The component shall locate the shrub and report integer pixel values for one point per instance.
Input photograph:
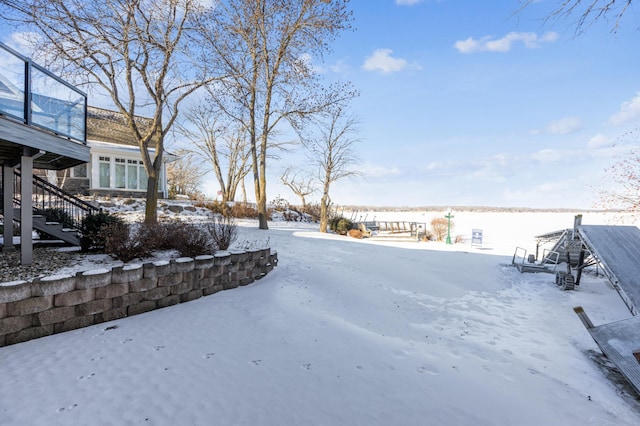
(439, 227)
(156, 236)
(355, 233)
(223, 231)
(91, 227)
(191, 240)
(427, 236)
(245, 210)
(343, 226)
(333, 223)
(121, 244)
(313, 210)
(215, 206)
(280, 204)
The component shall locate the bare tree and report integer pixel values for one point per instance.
(265, 46)
(330, 148)
(299, 185)
(588, 11)
(623, 179)
(184, 175)
(223, 146)
(138, 51)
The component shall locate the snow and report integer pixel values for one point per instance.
(344, 332)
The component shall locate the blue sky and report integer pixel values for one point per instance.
(464, 103)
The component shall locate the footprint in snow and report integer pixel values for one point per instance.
(306, 366)
(209, 355)
(256, 362)
(428, 369)
(87, 377)
(71, 407)
(539, 356)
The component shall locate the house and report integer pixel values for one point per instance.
(115, 167)
(47, 129)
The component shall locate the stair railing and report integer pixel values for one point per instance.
(48, 198)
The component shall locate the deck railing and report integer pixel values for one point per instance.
(35, 96)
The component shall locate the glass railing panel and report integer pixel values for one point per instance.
(56, 106)
(12, 79)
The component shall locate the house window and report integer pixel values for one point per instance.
(105, 172)
(143, 177)
(120, 173)
(80, 171)
(127, 173)
(132, 174)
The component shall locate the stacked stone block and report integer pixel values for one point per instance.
(29, 310)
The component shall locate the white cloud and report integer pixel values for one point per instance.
(549, 155)
(339, 66)
(504, 44)
(381, 60)
(373, 170)
(563, 126)
(629, 111)
(599, 141)
(407, 2)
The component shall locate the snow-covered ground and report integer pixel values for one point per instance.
(344, 332)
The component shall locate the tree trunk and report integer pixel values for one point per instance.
(263, 215)
(151, 210)
(244, 191)
(324, 213)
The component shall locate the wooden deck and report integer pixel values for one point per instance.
(57, 152)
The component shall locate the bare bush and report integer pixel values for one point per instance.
(245, 210)
(439, 228)
(427, 236)
(156, 236)
(121, 244)
(313, 210)
(223, 231)
(355, 233)
(191, 240)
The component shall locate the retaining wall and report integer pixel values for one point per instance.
(45, 306)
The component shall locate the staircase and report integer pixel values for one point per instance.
(56, 212)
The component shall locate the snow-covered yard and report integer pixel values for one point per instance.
(343, 332)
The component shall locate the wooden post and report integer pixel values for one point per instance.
(577, 221)
(583, 317)
(580, 266)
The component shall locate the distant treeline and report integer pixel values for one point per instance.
(470, 209)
